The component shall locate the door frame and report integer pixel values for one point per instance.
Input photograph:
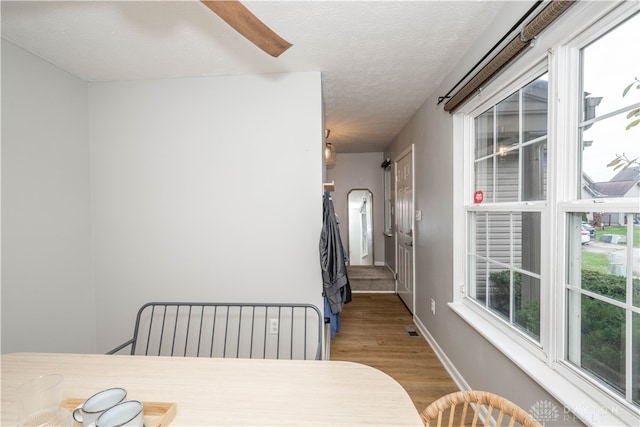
(406, 152)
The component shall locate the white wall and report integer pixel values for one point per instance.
(115, 194)
(205, 189)
(48, 300)
(360, 171)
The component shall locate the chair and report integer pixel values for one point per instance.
(265, 331)
(456, 405)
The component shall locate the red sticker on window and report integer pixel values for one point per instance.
(478, 196)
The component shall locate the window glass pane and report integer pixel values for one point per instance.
(526, 241)
(498, 170)
(479, 244)
(610, 64)
(500, 290)
(507, 171)
(527, 304)
(602, 340)
(600, 257)
(508, 123)
(499, 236)
(534, 108)
(484, 134)
(604, 261)
(534, 176)
(603, 142)
(484, 178)
(608, 285)
(478, 280)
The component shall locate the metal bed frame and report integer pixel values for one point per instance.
(240, 330)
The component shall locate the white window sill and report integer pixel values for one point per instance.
(589, 408)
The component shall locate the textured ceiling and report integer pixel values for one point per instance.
(379, 60)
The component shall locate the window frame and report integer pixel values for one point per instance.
(558, 53)
(567, 66)
(541, 206)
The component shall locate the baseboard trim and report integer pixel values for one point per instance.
(364, 291)
(446, 362)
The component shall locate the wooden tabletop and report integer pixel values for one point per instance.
(211, 391)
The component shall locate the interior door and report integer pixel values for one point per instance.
(404, 227)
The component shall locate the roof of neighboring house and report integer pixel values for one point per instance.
(592, 191)
(613, 188)
(618, 186)
(629, 174)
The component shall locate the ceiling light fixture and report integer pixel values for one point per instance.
(329, 150)
(329, 154)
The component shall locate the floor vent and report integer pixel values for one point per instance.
(411, 331)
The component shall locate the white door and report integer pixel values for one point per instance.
(404, 227)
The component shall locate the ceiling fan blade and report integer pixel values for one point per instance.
(243, 21)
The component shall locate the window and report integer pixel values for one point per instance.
(509, 168)
(552, 216)
(603, 272)
(388, 207)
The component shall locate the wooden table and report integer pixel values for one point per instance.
(225, 391)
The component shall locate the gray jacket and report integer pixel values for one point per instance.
(332, 260)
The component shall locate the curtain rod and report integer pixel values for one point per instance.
(494, 47)
(526, 38)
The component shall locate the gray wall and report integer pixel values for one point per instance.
(114, 194)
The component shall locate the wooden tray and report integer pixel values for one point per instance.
(156, 414)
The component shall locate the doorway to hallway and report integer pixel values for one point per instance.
(360, 224)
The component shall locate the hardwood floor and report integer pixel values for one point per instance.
(375, 331)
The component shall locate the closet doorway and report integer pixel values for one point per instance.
(360, 220)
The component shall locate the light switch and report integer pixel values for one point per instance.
(418, 215)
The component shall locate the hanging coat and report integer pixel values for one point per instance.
(335, 281)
